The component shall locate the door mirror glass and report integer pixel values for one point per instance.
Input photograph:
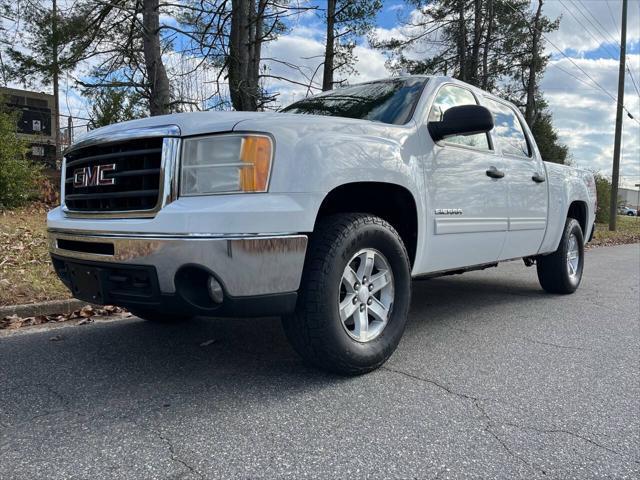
(462, 120)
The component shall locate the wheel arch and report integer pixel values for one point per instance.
(578, 210)
(389, 201)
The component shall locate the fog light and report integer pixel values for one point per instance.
(215, 290)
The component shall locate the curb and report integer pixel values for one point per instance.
(42, 308)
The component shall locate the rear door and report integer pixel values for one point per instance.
(467, 206)
(525, 177)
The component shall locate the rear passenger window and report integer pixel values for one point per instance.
(508, 130)
(454, 96)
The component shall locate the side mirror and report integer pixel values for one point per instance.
(462, 120)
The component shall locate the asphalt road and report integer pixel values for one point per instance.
(493, 379)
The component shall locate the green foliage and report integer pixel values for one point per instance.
(603, 188)
(482, 42)
(40, 51)
(18, 176)
(546, 137)
(113, 105)
(353, 19)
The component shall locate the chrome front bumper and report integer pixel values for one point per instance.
(245, 265)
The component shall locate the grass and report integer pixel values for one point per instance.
(628, 231)
(26, 274)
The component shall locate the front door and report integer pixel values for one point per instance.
(467, 198)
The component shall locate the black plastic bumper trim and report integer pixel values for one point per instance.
(152, 299)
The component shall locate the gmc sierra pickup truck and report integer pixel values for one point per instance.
(322, 213)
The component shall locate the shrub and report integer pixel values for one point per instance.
(18, 176)
(603, 188)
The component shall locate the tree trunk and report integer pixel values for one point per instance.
(160, 92)
(530, 109)
(245, 46)
(474, 63)
(487, 46)
(329, 52)
(462, 42)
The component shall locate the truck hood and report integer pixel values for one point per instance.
(200, 123)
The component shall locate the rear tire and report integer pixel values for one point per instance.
(354, 295)
(561, 271)
(160, 317)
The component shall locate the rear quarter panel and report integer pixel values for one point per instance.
(566, 185)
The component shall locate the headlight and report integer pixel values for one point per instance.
(225, 164)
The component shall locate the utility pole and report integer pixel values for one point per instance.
(613, 211)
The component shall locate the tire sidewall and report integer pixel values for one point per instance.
(381, 238)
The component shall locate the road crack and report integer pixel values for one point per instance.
(475, 402)
(490, 423)
(552, 431)
(172, 450)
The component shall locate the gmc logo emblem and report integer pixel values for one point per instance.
(93, 176)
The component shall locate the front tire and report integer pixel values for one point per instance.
(354, 296)
(561, 271)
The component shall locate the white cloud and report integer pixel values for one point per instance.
(588, 24)
(304, 49)
(398, 7)
(585, 115)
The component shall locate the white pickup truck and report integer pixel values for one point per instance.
(322, 213)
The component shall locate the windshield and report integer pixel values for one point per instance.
(389, 101)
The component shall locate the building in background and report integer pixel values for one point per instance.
(36, 122)
(629, 197)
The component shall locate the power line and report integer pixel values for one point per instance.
(604, 35)
(602, 30)
(633, 80)
(577, 66)
(599, 42)
(613, 20)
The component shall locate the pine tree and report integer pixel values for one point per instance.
(496, 45)
(346, 20)
(113, 105)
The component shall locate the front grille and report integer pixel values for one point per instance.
(136, 176)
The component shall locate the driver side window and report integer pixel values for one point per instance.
(453, 96)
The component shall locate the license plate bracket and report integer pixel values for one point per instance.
(86, 282)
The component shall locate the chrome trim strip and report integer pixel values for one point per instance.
(458, 224)
(226, 236)
(527, 223)
(107, 135)
(168, 185)
(245, 265)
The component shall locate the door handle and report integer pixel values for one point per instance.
(493, 172)
(538, 178)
